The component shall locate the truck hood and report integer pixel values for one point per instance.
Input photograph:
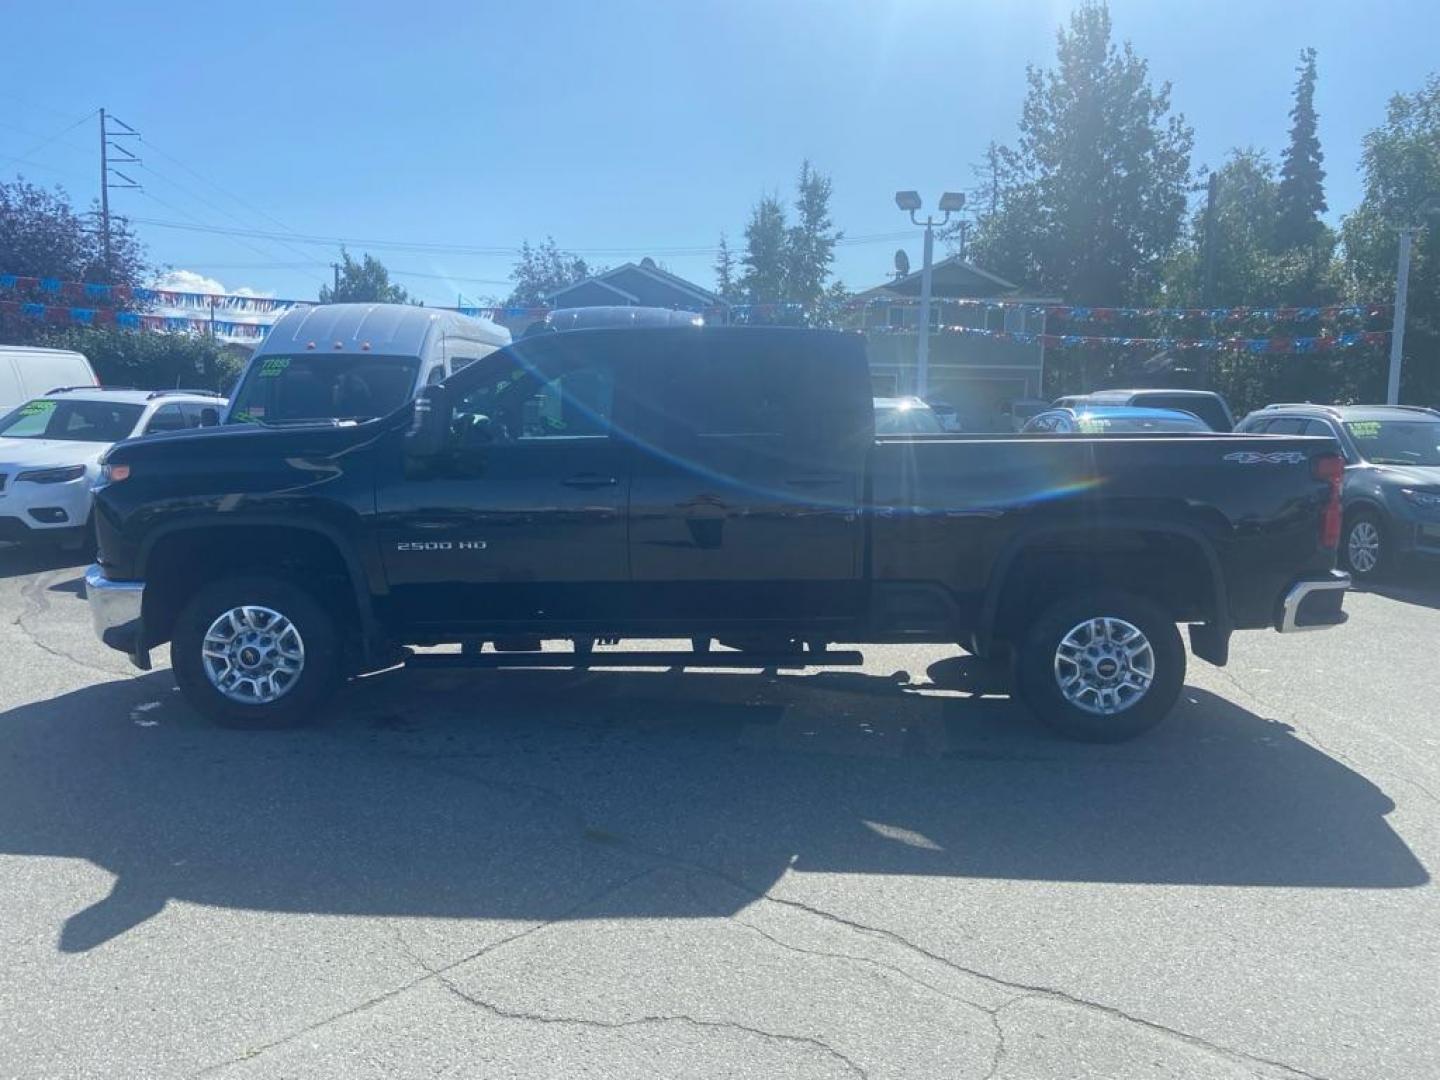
(245, 441)
(18, 454)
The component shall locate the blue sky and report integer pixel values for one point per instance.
(621, 128)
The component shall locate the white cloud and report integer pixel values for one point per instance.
(194, 281)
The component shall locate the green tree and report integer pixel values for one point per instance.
(151, 361)
(41, 235)
(766, 258)
(1401, 162)
(1300, 197)
(725, 284)
(363, 281)
(1093, 194)
(542, 269)
(810, 244)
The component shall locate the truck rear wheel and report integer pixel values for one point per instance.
(255, 652)
(1101, 666)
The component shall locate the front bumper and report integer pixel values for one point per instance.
(40, 508)
(1314, 603)
(116, 609)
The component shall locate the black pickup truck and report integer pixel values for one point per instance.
(722, 485)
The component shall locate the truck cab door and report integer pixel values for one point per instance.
(520, 522)
(745, 496)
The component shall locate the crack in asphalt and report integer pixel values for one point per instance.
(1023, 990)
(430, 974)
(668, 1018)
(32, 593)
(1309, 733)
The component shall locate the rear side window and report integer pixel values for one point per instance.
(1287, 425)
(1206, 408)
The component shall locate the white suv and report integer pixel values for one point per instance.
(50, 451)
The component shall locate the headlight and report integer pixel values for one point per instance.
(53, 476)
(1430, 500)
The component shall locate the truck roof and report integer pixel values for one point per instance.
(387, 329)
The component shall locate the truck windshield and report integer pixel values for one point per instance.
(321, 386)
(72, 421)
(1397, 442)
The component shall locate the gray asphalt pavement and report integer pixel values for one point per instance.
(889, 872)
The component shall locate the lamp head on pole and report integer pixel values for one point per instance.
(908, 200)
(952, 201)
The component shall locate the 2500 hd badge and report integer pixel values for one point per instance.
(440, 545)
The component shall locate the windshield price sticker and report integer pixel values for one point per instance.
(37, 408)
(1365, 429)
(273, 366)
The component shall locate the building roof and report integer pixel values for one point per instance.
(952, 277)
(641, 283)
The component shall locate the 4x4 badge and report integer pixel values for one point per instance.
(1274, 457)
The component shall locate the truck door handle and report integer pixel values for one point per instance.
(588, 480)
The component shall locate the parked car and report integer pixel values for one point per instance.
(710, 483)
(1017, 413)
(1391, 494)
(50, 451)
(948, 415)
(1113, 420)
(905, 416)
(1206, 404)
(351, 362)
(27, 372)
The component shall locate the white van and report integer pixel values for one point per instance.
(355, 361)
(27, 372)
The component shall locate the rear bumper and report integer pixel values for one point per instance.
(1314, 603)
(116, 609)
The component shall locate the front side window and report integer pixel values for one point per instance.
(516, 403)
(321, 386)
(167, 418)
(1397, 442)
(72, 421)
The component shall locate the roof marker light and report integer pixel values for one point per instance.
(310, 345)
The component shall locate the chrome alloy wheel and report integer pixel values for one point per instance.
(1104, 665)
(1362, 547)
(253, 655)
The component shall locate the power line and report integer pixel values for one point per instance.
(467, 249)
(48, 140)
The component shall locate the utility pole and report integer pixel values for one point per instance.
(335, 269)
(1397, 330)
(105, 194)
(109, 173)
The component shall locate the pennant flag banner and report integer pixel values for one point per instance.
(1294, 345)
(1112, 314)
(195, 301)
(503, 312)
(132, 320)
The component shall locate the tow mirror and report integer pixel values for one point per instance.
(430, 424)
(209, 416)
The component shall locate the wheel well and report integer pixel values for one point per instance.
(183, 561)
(1169, 569)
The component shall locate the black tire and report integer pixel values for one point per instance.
(1352, 549)
(1037, 682)
(318, 677)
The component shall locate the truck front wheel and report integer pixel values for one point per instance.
(1101, 666)
(255, 652)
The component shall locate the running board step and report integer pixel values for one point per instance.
(832, 658)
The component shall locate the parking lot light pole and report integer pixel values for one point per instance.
(950, 201)
(1397, 331)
